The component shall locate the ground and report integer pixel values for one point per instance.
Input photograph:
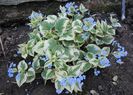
(15, 32)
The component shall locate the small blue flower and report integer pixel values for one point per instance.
(35, 15)
(75, 6)
(78, 80)
(63, 82)
(105, 62)
(68, 12)
(84, 77)
(44, 58)
(96, 72)
(89, 22)
(104, 53)
(12, 65)
(117, 55)
(18, 76)
(68, 5)
(10, 72)
(85, 28)
(50, 66)
(71, 80)
(119, 61)
(18, 52)
(58, 91)
(29, 63)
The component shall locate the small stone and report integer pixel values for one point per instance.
(93, 92)
(115, 78)
(100, 87)
(114, 83)
(26, 90)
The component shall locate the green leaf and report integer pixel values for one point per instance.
(61, 24)
(106, 50)
(77, 29)
(22, 66)
(94, 62)
(82, 8)
(39, 48)
(58, 86)
(92, 48)
(48, 74)
(45, 26)
(21, 79)
(51, 18)
(79, 38)
(67, 35)
(74, 70)
(85, 66)
(108, 39)
(99, 41)
(60, 65)
(78, 16)
(77, 23)
(30, 75)
(89, 56)
(36, 63)
(23, 50)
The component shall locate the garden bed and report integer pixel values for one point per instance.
(15, 32)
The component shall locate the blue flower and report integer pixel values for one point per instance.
(119, 61)
(105, 62)
(10, 72)
(58, 91)
(78, 80)
(68, 5)
(12, 65)
(71, 80)
(89, 24)
(35, 15)
(44, 58)
(63, 82)
(18, 76)
(75, 6)
(96, 72)
(104, 53)
(85, 28)
(18, 52)
(50, 66)
(29, 63)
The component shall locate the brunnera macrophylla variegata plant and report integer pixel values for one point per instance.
(63, 47)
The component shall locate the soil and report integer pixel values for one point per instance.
(14, 32)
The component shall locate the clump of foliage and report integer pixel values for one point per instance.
(63, 47)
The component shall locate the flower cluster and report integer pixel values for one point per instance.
(89, 24)
(105, 62)
(35, 15)
(71, 81)
(120, 53)
(71, 8)
(44, 58)
(96, 72)
(10, 70)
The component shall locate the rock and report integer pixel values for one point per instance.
(16, 2)
(114, 83)
(115, 78)
(93, 92)
(100, 88)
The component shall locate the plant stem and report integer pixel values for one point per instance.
(2, 47)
